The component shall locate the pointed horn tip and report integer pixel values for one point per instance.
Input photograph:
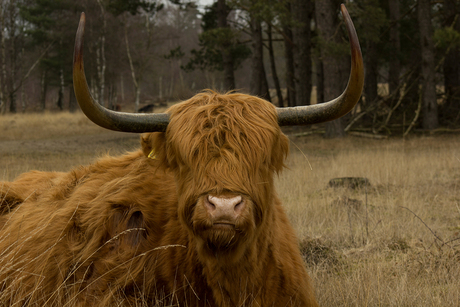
(308, 115)
(354, 42)
(82, 22)
(345, 13)
(78, 54)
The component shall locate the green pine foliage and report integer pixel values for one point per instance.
(446, 38)
(212, 41)
(118, 7)
(48, 20)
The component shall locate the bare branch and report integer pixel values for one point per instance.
(434, 234)
(417, 114)
(32, 67)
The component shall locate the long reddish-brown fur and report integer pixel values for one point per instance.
(133, 230)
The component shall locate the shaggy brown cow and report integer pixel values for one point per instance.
(191, 219)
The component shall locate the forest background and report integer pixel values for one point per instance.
(142, 54)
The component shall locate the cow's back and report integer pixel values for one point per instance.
(81, 235)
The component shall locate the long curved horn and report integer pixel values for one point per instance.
(118, 121)
(323, 112)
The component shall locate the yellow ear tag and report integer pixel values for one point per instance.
(152, 155)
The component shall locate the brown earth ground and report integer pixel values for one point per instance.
(394, 242)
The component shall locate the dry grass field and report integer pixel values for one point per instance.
(394, 242)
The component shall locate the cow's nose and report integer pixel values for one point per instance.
(224, 208)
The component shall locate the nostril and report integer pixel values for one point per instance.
(239, 207)
(209, 205)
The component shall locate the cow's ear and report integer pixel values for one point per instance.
(154, 146)
(126, 227)
(280, 152)
(8, 199)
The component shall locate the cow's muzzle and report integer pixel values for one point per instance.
(224, 211)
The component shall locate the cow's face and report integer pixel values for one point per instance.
(224, 151)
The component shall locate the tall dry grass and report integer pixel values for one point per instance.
(393, 243)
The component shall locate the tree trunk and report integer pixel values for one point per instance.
(227, 59)
(450, 110)
(171, 81)
(3, 55)
(133, 73)
(23, 100)
(101, 64)
(13, 55)
(137, 99)
(160, 87)
(276, 81)
(122, 87)
(101, 67)
(72, 101)
(371, 73)
(301, 13)
(289, 55)
(12, 102)
(395, 43)
(44, 87)
(259, 84)
(60, 102)
(113, 95)
(429, 101)
(319, 81)
(335, 68)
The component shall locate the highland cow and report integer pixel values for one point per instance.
(190, 219)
